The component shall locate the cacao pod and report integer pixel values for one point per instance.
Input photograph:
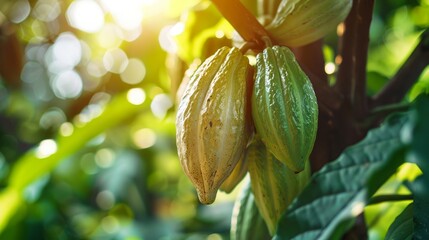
(213, 122)
(274, 185)
(299, 22)
(246, 222)
(236, 176)
(284, 107)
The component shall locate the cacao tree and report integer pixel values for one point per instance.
(360, 142)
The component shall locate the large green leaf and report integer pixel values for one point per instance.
(338, 192)
(402, 227)
(31, 166)
(420, 190)
(416, 133)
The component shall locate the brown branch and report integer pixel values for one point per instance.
(311, 56)
(242, 20)
(407, 75)
(311, 60)
(351, 81)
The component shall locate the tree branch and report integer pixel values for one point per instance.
(407, 75)
(351, 80)
(242, 20)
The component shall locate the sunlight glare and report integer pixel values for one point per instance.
(85, 15)
(136, 96)
(127, 13)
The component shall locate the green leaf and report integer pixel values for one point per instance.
(31, 166)
(201, 23)
(420, 189)
(338, 192)
(416, 133)
(402, 227)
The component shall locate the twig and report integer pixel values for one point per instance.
(351, 80)
(407, 75)
(311, 55)
(327, 96)
(387, 109)
(242, 20)
(390, 198)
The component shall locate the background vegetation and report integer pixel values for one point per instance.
(87, 98)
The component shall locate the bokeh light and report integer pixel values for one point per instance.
(67, 84)
(160, 105)
(136, 96)
(46, 148)
(85, 15)
(144, 138)
(47, 10)
(110, 224)
(135, 72)
(105, 200)
(110, 36)
(330, 68)
(66, 129)
(19, 11)
(115, 60)
(105, 157)
(167, 35)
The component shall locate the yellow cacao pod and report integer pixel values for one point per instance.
(284, 107)
(212, 123)
(236, 176)
(274, 185)
(299, 22)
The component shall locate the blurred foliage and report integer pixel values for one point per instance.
(87, 93)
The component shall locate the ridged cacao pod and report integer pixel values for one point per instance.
(236, 176)
(284, 107)
(213, 122)
(246, 222)
(299, 22)
(274, 185)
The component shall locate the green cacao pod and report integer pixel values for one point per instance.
(284, 107)
(213, 122)
(246, 222)
(274, 185)
(299, 22)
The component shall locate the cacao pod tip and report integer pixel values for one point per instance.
(206, 197)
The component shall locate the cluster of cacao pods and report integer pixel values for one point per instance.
(234, 118)
(231, 122)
